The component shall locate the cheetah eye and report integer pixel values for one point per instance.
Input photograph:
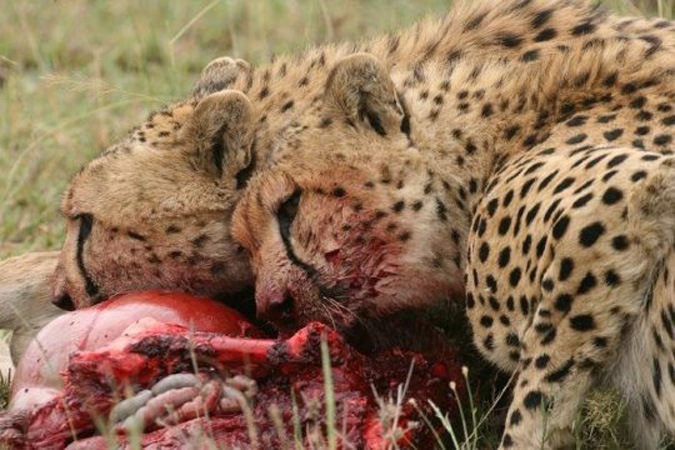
(287, 212)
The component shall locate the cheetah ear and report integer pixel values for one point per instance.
(220, 74)
(360, 89)
(220, 133)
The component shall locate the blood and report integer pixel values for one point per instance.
(291, 392)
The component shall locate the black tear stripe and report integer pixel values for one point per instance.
(86, 224)
(285, 217)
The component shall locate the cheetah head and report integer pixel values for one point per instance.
(343, 230)
(154, 211)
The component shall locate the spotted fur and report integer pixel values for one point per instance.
(542, 171)
(172, 187)
(391, 166)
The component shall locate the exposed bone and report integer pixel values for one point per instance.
(230, 392)
(229, 405)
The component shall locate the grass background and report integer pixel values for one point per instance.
(75, 74)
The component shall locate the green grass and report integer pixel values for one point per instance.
(75, 75)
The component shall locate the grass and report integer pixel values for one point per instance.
(75, 75)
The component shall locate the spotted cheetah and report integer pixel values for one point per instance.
(538, 183)
(140, 215)
(153, 211)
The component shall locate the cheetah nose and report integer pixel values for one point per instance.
(64, 302)
(59, 286)
(277, 308)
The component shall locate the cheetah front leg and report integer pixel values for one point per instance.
(568, 346)
(585, 248)
(598, 298)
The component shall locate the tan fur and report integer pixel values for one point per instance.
(148, 182)
(25, 297)
(359, 216)
(429, 200)
(219, 74)
(166, 231)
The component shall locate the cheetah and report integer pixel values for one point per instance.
(140, 215)
(25, 297)
(154, 210)
(540, 188)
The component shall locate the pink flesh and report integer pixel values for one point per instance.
(39, 371)
(93, 380)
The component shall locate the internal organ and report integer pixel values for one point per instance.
(189, 388)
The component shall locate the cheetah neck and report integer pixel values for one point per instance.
(473, 117)
(289, 88)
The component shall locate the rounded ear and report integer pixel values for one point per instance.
(220, 132)
(361, 90)
(220, 74)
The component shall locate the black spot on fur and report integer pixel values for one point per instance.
(510, 40)
(582, 201)
(560, 374)
(587, 284)
(566, 268)
(531, 55)
(577, 139)
(541, 18)
(582, 322)
(514, 277)
(339, 192)
(504, 257)
(620, 242)
(663, 139)
(516, 418)
(563, 303)
(564, 184)
(135, 236)
(583, 28)
(542, 361)
(533, 400)
(172, 229)
(612, 196)
(560, 227)
(484, 252)
(612, 279)
(613, 134)
(486, 321)
(591, 233)
(545, 35)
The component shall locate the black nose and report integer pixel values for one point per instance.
(280, 310)
(64, 302)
